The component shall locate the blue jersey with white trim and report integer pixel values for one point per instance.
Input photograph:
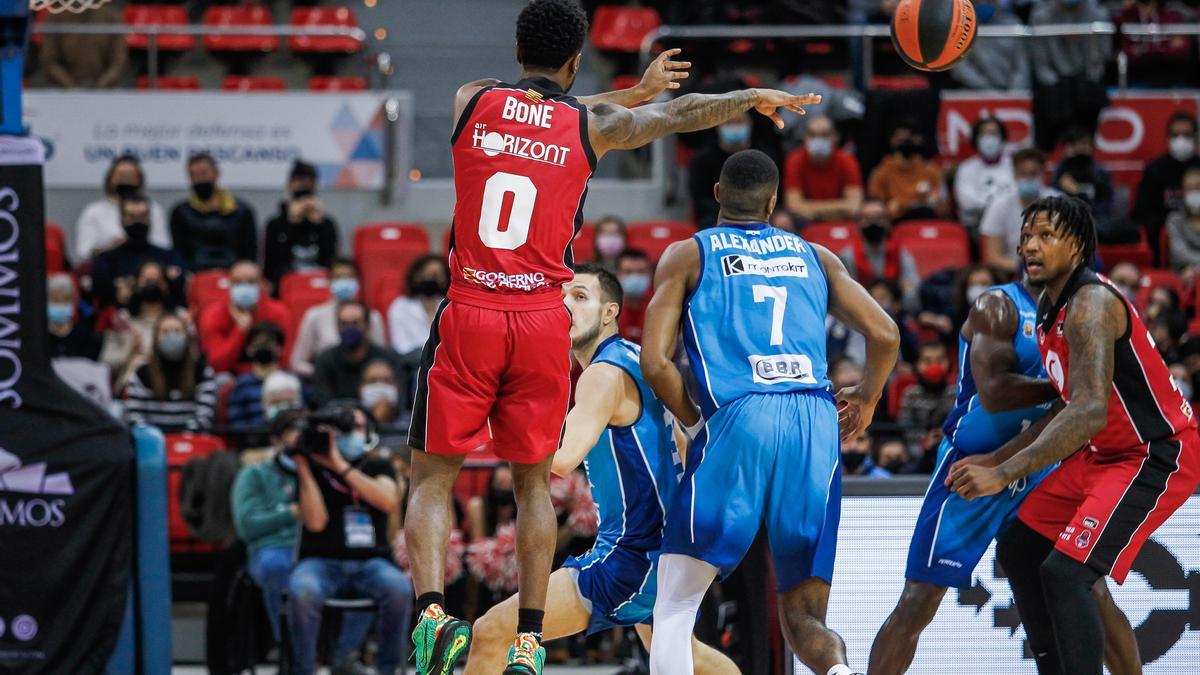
(969, 427)
(756, 321)
(633, 470)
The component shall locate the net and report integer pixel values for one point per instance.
(59, 6)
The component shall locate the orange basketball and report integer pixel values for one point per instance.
(933, 35)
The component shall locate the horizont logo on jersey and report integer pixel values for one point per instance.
(780, 368)
(733, 265)
(494, 143)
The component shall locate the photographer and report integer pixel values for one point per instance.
(346, 495)
(302, 236)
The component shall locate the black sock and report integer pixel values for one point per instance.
(427, 599)
(530, 621)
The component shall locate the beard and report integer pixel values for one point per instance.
(586, 336)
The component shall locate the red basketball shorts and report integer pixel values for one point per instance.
(1100, 508)
(495, 377)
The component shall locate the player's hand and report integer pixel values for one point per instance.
(971, 481)
(663, 73)
(855, 411)
(771, 100)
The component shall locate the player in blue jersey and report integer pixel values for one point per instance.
(1002, 390)
(625, 439)
(752, 301)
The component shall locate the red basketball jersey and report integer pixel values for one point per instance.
(1144, 404)
(522, 162)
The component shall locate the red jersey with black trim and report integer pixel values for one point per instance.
(522, 161)
(1144, 404)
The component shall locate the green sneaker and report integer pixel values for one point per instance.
(526, 656)
(438, 640)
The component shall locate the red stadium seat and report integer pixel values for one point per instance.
(895, 392)
(238, 16)
(935, 255)
(302, 290)
(182, 448)
(206, 288)
(253, 83)
(324, 44)
(583, 246)
(383, 287)
(56, 249)
(654, 236)
(929, 229)
(1139, 254)
(162, 15)
(171, 82)
(371, 238)
(836, 236)
(330, 83)
(622, 29)
(899, 82)
(1155, 278)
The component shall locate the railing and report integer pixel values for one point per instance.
(153, 31)
(866, 33)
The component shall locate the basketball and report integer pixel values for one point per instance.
(933, 35)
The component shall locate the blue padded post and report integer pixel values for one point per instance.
(153, 572)
(14, 33)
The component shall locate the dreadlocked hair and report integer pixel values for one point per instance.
(1071, 216)
(550, 32)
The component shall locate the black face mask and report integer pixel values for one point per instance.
(204, 191)
(264, 356)
(428, 288)
(302, 193)
(137, 233)
(126, 190)
(909, 149)
(151, 293)
(502, 498)
(874, 233)
(853, 460)
(896, 466)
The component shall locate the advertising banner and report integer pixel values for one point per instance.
(254, 137)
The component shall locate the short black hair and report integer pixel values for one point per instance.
(126, 158)
(977, 129)
(197, 157)
(632, 254)
(610, 288)
(267, 328)
(550, 33)
(135, 198)
(342, 261)
(1182, 116)
(1076, 133)
(1071, 216)
(302, 169)
(748, 180)
(1029, 155)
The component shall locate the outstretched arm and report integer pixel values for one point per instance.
(1094, 321)
(992, 324)
(673, 280)
(597, 396)
(663, 74)
(466, 92)
(851, 304)
(612, 127)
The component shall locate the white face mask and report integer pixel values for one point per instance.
(1182, 148)
(819, 148)
(974, 291)
(990, 146)
(375, 392)
(1191, 199)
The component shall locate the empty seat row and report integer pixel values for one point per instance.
(243, 16)
(320, 83)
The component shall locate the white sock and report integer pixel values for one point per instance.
(682, 582)
(840, 669)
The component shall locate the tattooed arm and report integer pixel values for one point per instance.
(662, 74)
(612, 127)
(1095, 319)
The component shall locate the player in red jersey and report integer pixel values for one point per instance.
(497, 364)
(1125, 435)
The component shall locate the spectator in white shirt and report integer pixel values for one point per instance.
(410, 315)
(1000, 229)
(99, 226)
(318, 328)
(984, 175)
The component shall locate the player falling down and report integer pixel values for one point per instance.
(1125, 436)
(752, 301)
(496, 366)
(1001, 390)
(625, 439)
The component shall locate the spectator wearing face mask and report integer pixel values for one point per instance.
(1126, 277)
(880, 257)
(212, 229)
(380, 392)
(1183, 228)
(114, 271)
(224, 326)
(1068, 72)
(887, 294)
(1160, 189)
(925, 405)
(1156, 60)
(264, 348)
(99, 226)
(1182, 378)
(130, 330)
(995, 63)
(68, 333)
(608, 242)
(821, 181)
(905, 181)
(705, 168)
(636, 275)
(985, 175)
(1000, 228)
(857, 460)
(318, 328)
(891, 455)
(1080, 176)
(174, 390)
(281, 392)
(410, 316)
(338, 373)
(301, 237)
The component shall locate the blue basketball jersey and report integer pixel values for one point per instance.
(633, 470)
(756, 320)
(969, 427)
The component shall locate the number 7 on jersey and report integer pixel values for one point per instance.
(778, 297)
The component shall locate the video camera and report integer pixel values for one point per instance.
(314, 439)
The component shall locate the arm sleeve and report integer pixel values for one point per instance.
(377, 333)
(179, 234)
(851, 172)
(323, 380)
(274, 255)
(85, 233)
(968, 198)
(304, 348)
(791, 171)
(255, 516)
(875, 185)
(221, 338)
(327, 248)
(247, 235)
(103, 282)
(206, 402)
